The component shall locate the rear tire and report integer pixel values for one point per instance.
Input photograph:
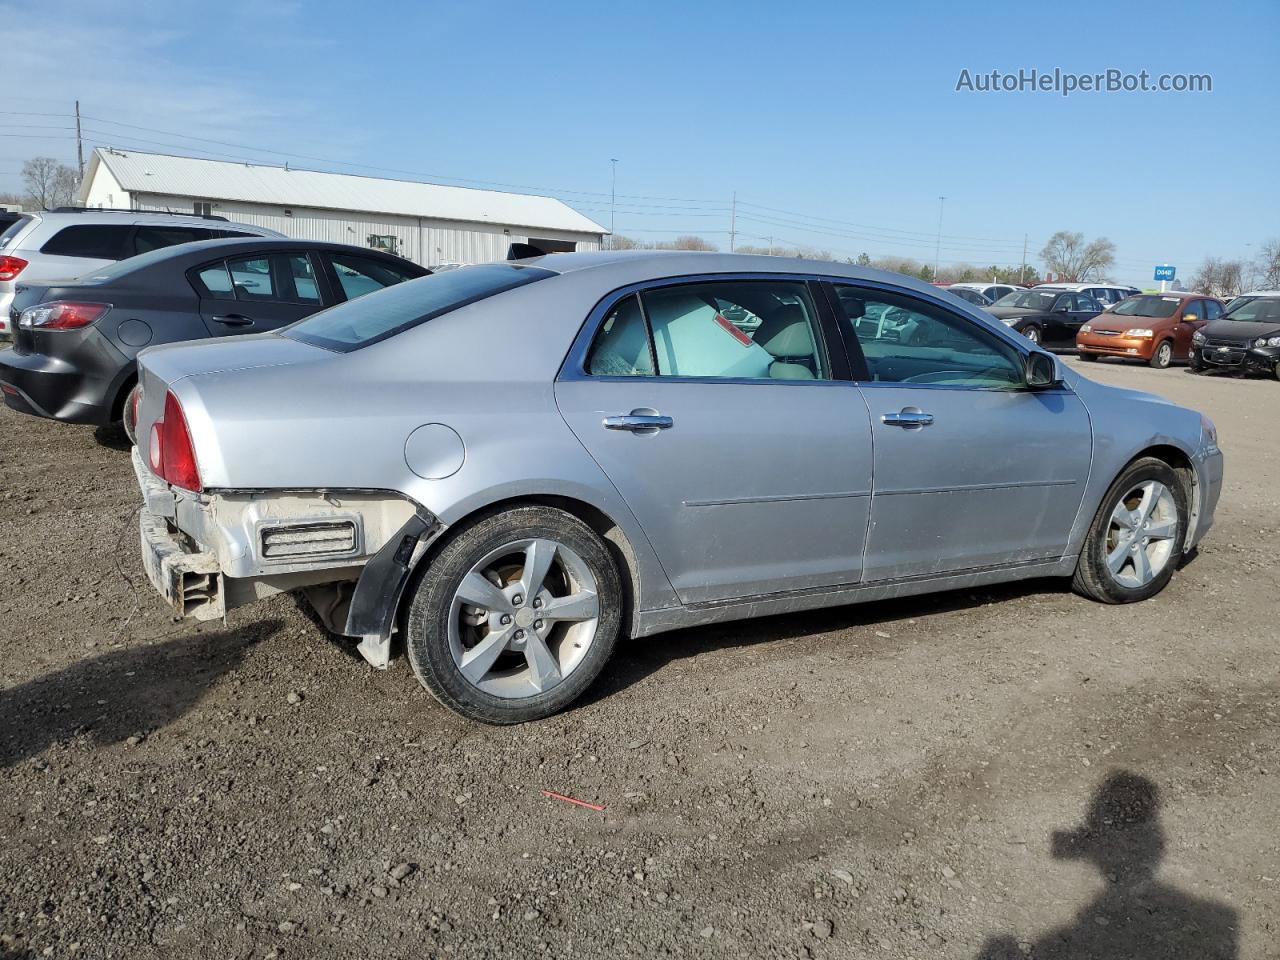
(469, 613)
(1117, 551)
(127, 418)
(1162, 355)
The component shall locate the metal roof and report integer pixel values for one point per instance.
(284, 187)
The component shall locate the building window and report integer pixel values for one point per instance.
(385, 242)
(203, 208)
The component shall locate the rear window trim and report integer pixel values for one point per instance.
(337, 346)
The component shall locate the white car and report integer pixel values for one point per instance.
(992, 291)
(69, 243)
(1107, 294)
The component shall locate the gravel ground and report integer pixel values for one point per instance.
(1001, 773)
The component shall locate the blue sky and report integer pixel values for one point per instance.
(837, 124)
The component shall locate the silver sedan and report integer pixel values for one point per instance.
(505, 467)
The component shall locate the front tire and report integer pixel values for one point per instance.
(1162, 355)
(1088, 357)
(516, 616)
(1135, 541)
(1033, 334)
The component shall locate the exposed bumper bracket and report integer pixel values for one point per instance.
(377, 594)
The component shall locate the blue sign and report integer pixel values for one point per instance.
(1165, 272)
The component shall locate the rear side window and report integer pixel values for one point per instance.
(359, 323)
(153, 238)
(360, 275)
(98, 241)
(13, 230)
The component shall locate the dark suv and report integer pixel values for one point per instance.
(76, 343)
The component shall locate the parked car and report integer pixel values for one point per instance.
(970, 295)
(76, 343)
(1155, 327)
(992, 291)
(71, 242)
(1105, 293)
(510, 465)
(1048, 316)
(1246, 338)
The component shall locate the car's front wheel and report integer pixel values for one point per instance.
(1162, 356)
(1135, 542)
(516, 616)
(1032, 333)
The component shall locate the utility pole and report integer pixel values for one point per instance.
(1022, 277)
(613, 198)
(771, 246)
(79, 147)
(733, 221)
(937, 250)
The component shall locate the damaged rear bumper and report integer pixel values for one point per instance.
(189, 580)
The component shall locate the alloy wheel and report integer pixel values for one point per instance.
(1032, 334)
(1140, 538)
(523, 618)
(1164, 354)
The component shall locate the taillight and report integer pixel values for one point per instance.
(62, 315)
(10, 267)
(172, 456)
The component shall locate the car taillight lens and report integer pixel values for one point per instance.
(10, 267)
(62, 315)
(172, 456)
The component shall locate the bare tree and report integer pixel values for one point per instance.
(1269, 265)
(686, 242)
(49, 183)
(619, 242)
(1068, 257)
(1220, 278)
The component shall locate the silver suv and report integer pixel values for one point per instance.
(69, 243)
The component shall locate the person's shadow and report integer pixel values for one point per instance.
(133, 691)
(1136, 917)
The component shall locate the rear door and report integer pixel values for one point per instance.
(256, 293)
(971, 469)
(719, 415)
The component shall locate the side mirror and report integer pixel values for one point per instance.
(1040, 371)
(1065, 308)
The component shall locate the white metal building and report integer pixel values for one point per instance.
(424, 222)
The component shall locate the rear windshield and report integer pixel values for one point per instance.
(377, 316)
(1148, 307)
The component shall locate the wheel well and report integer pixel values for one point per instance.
(117, 405)
(1186, 472)
(615, 540)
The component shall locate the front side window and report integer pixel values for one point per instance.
(726, 329)
(904, 340)
(1212, 310)
(368, 320)
(96, 241)
(1088, 304)
(360, 275)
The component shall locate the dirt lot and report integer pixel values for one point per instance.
(1010, 772)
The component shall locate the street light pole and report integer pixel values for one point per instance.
(937, 249)
(613, 198)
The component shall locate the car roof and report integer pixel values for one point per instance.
(225, 246)
(621, 267)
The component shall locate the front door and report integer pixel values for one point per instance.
(1195, 314)
(258, 293)
(711, 408)
(972, 469)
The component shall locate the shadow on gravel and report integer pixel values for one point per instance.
(113, 438)
(1135, 917)
(634, 660)
(122, 694)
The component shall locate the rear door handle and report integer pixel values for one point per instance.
(234, 320)
(638, 423)
(908, 418)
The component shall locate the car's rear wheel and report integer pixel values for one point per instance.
(1032, 334)
(516, 616)
(1162, 355)
(129, 413)
(1135, 542)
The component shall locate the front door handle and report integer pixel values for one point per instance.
(910, 418)
(234, 320)
(638, 423)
